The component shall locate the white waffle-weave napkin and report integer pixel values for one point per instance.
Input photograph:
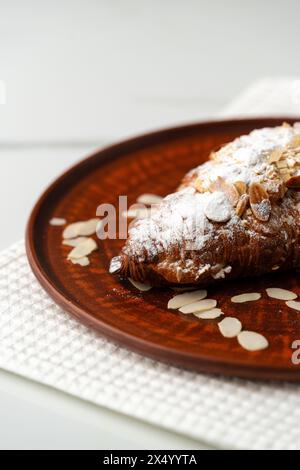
(40, 341)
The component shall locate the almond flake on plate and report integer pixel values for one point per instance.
(139, 285)
(57, 222)
(85, 248)
(252, 341)
(149, 199)
(74, 241)
(186, 298)
(209, 314)
(293, 304)
(281, 294)
(230, 327)
(249, 297)
(89, 227)
(115, 264)
(84, 229)
(84, 261)
(201, 306)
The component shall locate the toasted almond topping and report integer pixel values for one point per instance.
(284, 172)
(262, 211)
(259, 202)
(74, 241)
(291, 163)
(57, 221)
(281, 164)
(209, 314)
(139, 285)
(229, 189)
(242, 205)
(293, 304)
(149, 199)
(84, 261)
(77, 229)
(218, 208)
(252, 341)
(257, 193)
(84, 248)
(241, 187)
(230, 327)
(281, 294)
(187, 298)
(295, 142)
(275, 155)
(198, 184)
(249, 297)
(206, 304)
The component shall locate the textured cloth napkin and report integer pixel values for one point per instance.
(40, 341)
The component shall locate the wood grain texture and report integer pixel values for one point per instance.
(155, 163)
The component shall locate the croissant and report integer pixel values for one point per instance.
(235, 215)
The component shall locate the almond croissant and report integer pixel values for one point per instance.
(235, 215)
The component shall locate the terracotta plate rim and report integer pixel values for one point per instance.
(205, 364)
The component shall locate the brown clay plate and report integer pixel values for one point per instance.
(156, 163)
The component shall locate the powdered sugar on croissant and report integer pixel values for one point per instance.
(235, 215)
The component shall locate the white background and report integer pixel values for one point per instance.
(79, 74)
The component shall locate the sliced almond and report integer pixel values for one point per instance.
(259, 202)
(281, 294)
(77, 229)
(139, 285)
(229, 189)
(74, 241)
(275, 155)
(149, 199)
(230, 327)
(115, 264)
(281, 164)
(295, 142)
(209, 314)
(242, 205)
(248, 297)
(81, 261)
(199, 186)
(241, 187)
(72, 230)
(293, 304)
(218, 209)
(187, 298)
(252, 341)
(85, 248)
(89, 227)
(201, 306)
(57, 222)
